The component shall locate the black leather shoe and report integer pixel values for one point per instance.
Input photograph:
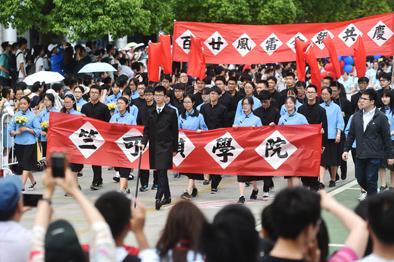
(157, 204)
(194, 192)
(332, 184)
(254, 194)
(343, 176)
(166, 201)
(241, 200)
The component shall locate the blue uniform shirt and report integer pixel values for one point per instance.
(44, 116)
(113, 98)
(126, 118)
(347, 130)
(283, 110)
(240, 111)
(334, 119)
(80, 103)
(73, 112)
(390, 117)
(134, 95)
(26, 138)
(293, 119)
(192, 122)
(248, 120)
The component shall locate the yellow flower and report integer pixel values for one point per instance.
(78, 108)
(111, 106)
(21, 120)
(45, 125)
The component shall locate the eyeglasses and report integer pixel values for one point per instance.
(158, 95)
(311, 92)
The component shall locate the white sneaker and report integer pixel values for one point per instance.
(266, 195)
(362, 196)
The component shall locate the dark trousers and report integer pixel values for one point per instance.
(215, 181)
(97, 178)
(163, 188)
(144, 177)
(44, 148)
(367, 174)
(311, 182)
(268, 183)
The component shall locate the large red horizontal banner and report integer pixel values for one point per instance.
(260, 44)
(268, 151)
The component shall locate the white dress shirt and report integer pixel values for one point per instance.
(367, 117)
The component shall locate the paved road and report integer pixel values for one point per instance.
(65, 207)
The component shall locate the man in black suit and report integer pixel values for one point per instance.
(161, 131)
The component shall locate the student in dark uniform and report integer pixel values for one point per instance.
(269, 115)
(315, 114)
(161, 131)
(96, 109)
(362, 85)
(142, 118)
(214, 115)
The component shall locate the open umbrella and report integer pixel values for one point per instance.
(43, 76)
(97, 67)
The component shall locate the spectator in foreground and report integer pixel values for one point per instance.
(380, 223)
(15, 240)
(58, 241)
(122, 218)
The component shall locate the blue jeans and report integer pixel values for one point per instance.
(367, 174)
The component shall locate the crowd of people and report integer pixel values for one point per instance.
(356, 116)
(292, 228)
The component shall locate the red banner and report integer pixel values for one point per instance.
(268, 151)
(260, 44)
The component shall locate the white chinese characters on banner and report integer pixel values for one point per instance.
(184, 41)
(380, 33)
(319, 37)
(224, 150)
(244, 44)
(349, 34)
(275, 149)
(291, 42)
(185, 148)
(271, 44)
(216, 43)
(87, 139)
(129, 142)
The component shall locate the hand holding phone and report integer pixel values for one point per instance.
(30, 199)
(58, 164)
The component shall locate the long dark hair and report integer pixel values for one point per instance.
(195, 113)
(183, 231)
(388, 93)
(72, 97)
(51, 97)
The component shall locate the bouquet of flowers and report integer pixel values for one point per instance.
(44, 126)
(21, 120)
(111, 106)
(78, 108)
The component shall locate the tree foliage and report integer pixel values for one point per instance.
(94, 19)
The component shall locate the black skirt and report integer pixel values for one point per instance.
(26, 156)
(123, 171)
(331, 155)
(76, 168)
(383, 163)
(194, 176)
(243, 179)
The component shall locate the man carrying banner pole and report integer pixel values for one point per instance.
(161, 131)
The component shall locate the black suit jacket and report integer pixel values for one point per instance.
(161, 131)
